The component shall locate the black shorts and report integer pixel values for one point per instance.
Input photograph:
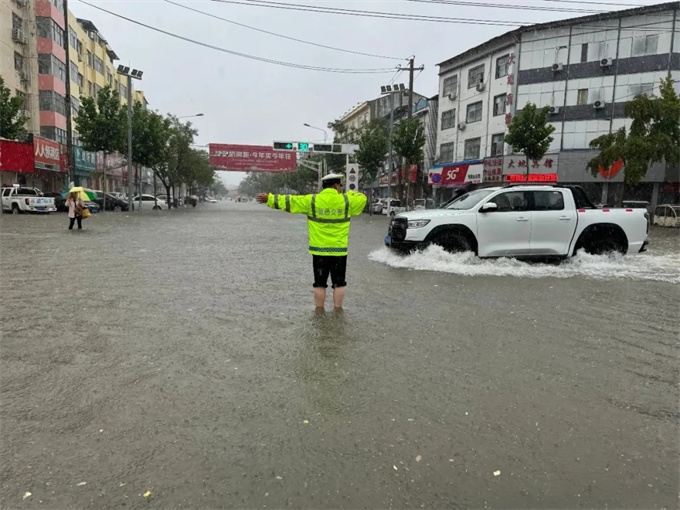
(325, 265)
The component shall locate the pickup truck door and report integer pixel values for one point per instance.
(507, 230)
(553, 221)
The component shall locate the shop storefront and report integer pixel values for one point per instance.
(16, 163)
(49, 174)
(85, 163)
(445, 179)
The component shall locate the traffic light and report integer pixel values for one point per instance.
(284, 146)
(319, 147)
(303, 146)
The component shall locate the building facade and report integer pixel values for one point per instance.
(585, 70)
(33, 34)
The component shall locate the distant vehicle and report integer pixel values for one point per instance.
(113, 203)
(423, 203)
(59, 200)
(393, 207)
(211, 200)
(522, 222)
(19, 200)
(149, 202)
(377, 205)
(667, 215)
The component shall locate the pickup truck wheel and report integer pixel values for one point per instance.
(156, 207)
(117, 208)
(601, 241)
(15, 209)
(453, 242)
(603, 246)
(392, 214)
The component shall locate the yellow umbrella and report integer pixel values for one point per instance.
(83, 194)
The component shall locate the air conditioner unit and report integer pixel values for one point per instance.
(598, 105)
(462, 125)
(23, 76)
(452, 96)
(18, 36)
(554, 110)
(480, 86)
(556, 68)
(23, 113)
(606, 62)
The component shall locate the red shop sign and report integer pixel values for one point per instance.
(46, 154)
(532, 178)
(16, 157)
(251, 158)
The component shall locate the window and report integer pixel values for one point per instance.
(23, 98)
(90, 89)
(74, 72)
(18, 61)
(448, 119)
(53, 133)
(497, 144)
(52, 102)
(645, 45)
(502, 66)
(123, 90)
(548, 201)
(475, 76)
(59, 4)
(472, 147)
(450, 86)
(109, 77)
(29, 192)
(643, 89)
(79, 49)
(499, 105)
(48, 29)
(98, 64)
(89, 58)
(474, 112)
(584, 52)
(72, 38)
(97, 88)
(80, 81)
(17, 22)
(582, 96)
(511, 201)
(446, 152)
(49, 64)
(75, 106)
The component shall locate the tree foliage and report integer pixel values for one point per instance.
(408, 140)
(12, 124)
(373, 146)
(529, 133)
(102, 123)
(654, 135)
(302, 181)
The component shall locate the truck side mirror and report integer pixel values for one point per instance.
(489, 206)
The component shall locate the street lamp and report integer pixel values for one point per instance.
(191, 116)
(391, 89)
(137, 75)
(325, 135)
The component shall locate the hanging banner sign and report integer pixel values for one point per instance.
(251, 158)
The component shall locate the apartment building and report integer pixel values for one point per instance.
(585, 69)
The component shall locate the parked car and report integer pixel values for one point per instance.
(149, 202)
(667, 215)
(19, 200)
(393, 207)
(59, 200)
(113, 203)
(377, 205)
(522, 222)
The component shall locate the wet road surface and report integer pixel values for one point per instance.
(173, 360)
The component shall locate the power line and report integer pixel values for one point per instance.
(464, 3)
(370, 14)
(243, 55)
(318, 45)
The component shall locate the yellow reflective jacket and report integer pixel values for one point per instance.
(328, 214)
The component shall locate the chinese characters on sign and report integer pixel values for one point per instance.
(552, 177)
(493, 170)
(46, 154)
(517, 164)
(251, 158)
(509, 93)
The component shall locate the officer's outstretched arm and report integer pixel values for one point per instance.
(294, 204)
(357, 202)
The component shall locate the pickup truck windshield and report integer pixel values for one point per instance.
(469, 200)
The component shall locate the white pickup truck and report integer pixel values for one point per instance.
(523, 222)
(24, 200)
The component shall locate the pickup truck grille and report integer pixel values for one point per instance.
(397, 229)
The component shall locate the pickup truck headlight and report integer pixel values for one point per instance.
(417, 223)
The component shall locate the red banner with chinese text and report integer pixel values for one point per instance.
(251, 158)
(47, 155)
(16, 157)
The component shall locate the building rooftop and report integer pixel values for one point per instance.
(90, 27)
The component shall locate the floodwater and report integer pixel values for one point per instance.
(174, 360)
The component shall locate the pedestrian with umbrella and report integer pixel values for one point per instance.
(75, 201)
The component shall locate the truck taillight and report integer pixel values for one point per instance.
(26, 200)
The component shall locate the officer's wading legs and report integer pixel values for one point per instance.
(320, 297)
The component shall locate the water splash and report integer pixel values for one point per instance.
(663, 268)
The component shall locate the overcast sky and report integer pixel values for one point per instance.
(251, 102)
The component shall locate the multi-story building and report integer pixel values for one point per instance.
(33, 35)
(585, 69)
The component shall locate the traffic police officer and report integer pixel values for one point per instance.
(328, 217)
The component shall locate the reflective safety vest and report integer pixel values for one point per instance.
(328, 214)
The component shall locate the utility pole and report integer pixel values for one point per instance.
(69, 120)
(129, 145)
(411, 69)
(389, 172)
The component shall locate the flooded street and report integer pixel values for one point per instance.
(174, 360)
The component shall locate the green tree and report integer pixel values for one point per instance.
(408, 140)
(179, 156)
(529, 133)
(102, 125)
(373, 146)
(150, 140)
(12, 124)
(654, 136)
